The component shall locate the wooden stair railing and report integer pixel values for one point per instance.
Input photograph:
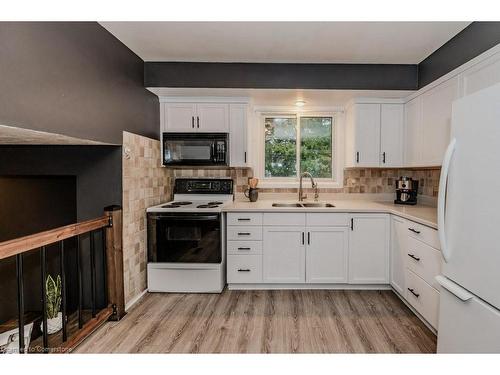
(110, 224)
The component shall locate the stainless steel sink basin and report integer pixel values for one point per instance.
(287, 205)
(317, 205)
(303, 205)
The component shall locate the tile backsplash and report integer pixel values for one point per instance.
(145, 183)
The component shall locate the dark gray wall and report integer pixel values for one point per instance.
(97, 169)
(281, 76)
(469, 43)
(73, 78)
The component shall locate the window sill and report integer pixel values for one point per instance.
(295, 184)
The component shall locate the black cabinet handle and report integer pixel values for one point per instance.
(414, 230)
(303, 235)
(245, 156)
(352, 223)
(243, 219)
(414, 257)
(357, 156)
(244, 248)
(308, 238)
(243, 234)
(198, 122)
(412, 291)
(383, 157)
(192, 121)
(243, 270)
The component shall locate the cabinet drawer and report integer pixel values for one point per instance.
(244, 269)
(423, 297)
(327, 219)
(423, 260)
(244, 233)
(244, 247)
(284, 218)
(424, 234)
(244, 218)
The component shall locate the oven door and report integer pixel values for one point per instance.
(194, 149)
(184, 238)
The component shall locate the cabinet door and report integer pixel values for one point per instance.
(413, 121)
(237, 135)
(369, 249)
(326, 255)
(399, 246)
(482, 75)
(391, 135)
(367, 137)
(284, 255)
(212, 117)
(436, 121)
(180, 117)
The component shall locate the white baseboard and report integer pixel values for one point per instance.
(309, 286)
(134, 300)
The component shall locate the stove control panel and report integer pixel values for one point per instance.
(203, 186)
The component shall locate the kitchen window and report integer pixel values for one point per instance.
(296, 143)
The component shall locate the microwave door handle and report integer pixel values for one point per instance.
(212, 152)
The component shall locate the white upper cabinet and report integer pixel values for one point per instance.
(238, 114)
(391, 135)
(179, 117)
(369, 249)
(481, 75)
(413, 139)
(364, 135)
(212, 117)
(374, 135)
(428, 121)
(196, 117)
(436, 121)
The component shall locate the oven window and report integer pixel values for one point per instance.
(185, 239)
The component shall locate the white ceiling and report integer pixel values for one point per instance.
(295, 42)
(283, 97)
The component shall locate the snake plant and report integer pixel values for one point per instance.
(53, 294)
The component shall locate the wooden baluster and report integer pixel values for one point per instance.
(114, 261)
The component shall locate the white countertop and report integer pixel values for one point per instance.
(423, 214)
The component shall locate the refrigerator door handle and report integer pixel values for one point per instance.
(454, 289)
(442, 198)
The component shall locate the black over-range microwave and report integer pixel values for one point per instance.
(195, 149)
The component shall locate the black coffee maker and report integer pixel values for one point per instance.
(406, 191)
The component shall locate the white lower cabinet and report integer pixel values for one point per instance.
(284, 255)
(327, 254)
(369, 249)
(243, 269)
(399, 240)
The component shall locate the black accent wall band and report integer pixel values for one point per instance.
(469, 43)
(281, 76)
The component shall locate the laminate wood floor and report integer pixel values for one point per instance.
(273, 321)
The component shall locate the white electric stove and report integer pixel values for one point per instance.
(186, 238)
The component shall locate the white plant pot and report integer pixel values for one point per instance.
(54, 325)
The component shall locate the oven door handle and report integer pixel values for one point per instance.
(192, 218)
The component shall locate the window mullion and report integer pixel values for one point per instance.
(297, 163)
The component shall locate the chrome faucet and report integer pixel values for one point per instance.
(302, 196)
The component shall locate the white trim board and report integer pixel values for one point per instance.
(134, 300)
(204, 99)
(265, 286)
(461, 69)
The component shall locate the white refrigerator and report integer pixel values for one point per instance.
(469, 228)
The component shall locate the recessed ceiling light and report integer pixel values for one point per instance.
(300, 103)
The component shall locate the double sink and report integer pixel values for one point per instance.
(304, 205)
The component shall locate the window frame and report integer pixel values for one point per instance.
(336, 181)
